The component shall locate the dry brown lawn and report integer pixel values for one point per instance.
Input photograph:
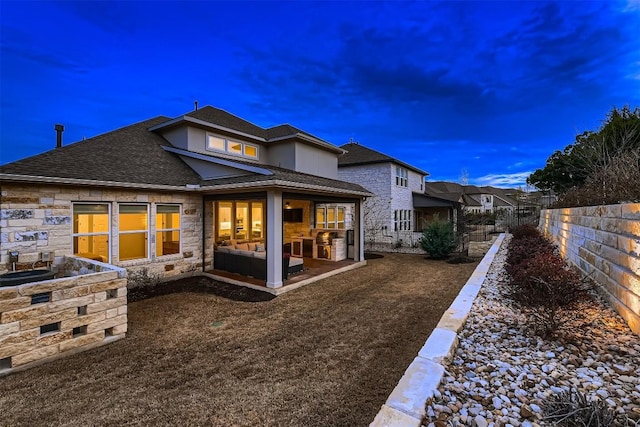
(327, 354)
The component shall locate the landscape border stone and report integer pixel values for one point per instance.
(405, 406)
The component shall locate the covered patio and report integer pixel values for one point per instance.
(278, 238)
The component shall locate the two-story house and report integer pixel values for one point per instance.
(203, 192)
(399, 208)
(474, 199)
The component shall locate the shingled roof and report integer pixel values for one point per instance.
(360, 155)
(290, 179)
(133, 155)
(469, 193)
(130, 154)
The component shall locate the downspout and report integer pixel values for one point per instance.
(204, 244)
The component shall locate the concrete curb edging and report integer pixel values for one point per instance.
(405, 406)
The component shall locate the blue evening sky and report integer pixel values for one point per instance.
(488, 89)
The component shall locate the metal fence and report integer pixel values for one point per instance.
(482, 228)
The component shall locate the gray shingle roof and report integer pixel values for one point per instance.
(223, 118)
(470, 193)
(130, 154)
(360, 155)
(228, 120)
(286, 175)
(134, 155)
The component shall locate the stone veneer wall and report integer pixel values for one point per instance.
(86, 308)
(38, 218)
(604, 243)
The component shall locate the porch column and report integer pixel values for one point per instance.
(274, 239)
(358, 235)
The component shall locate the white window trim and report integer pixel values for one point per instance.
(331, 225)
(226, 150)
(108, 233)
(402, 176)
(159, 230)
(148, 232)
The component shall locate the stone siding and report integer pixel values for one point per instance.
(380, 179)
(377, 209)
(79, 312)
(37, 219)
(603, 242)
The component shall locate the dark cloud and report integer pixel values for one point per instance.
(491, 87)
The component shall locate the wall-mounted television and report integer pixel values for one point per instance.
(292, 215)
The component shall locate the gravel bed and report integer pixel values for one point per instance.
(501, 374)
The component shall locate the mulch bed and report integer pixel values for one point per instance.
(201, 285)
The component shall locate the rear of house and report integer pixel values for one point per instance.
(165, 194)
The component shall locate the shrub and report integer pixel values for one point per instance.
(522, 250)
(438, 239)
(521, 231)
(541, 282)
(572, 409)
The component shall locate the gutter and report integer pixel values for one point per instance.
(195, 188)
(287, 185)
(7, 177)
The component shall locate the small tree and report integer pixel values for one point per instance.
(438, 239)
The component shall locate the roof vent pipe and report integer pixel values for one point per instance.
(196, 103)
(59, 129)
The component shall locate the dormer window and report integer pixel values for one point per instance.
(402, 177)
(235, 148)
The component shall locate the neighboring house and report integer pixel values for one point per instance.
(205, 191)
(399, 209)
(477, 200)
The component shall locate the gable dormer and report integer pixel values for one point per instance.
(214, 132)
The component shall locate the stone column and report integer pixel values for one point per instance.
(274, 239)
(358, 232)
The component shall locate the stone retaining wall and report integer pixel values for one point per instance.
(44, 320)
(603, 242)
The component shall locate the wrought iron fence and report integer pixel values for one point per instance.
(482, 228)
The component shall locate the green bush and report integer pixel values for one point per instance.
(438, 239)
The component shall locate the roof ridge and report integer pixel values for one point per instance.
(86, 140)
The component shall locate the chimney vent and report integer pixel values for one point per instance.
(196, 104)
(59, 129)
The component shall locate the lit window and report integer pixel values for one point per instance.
(216, 143)
(225, 218)
(91, 231)
(239, 220)
(242, 220)
(235, 147)
(133, 221)
(330, 217)
(250, 151)
(167, 230)
(257, 211)
(321, 217)
(340, 223)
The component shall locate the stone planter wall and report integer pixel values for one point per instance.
(603, 242)
(45, 320)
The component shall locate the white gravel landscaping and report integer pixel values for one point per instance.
(501, 373)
